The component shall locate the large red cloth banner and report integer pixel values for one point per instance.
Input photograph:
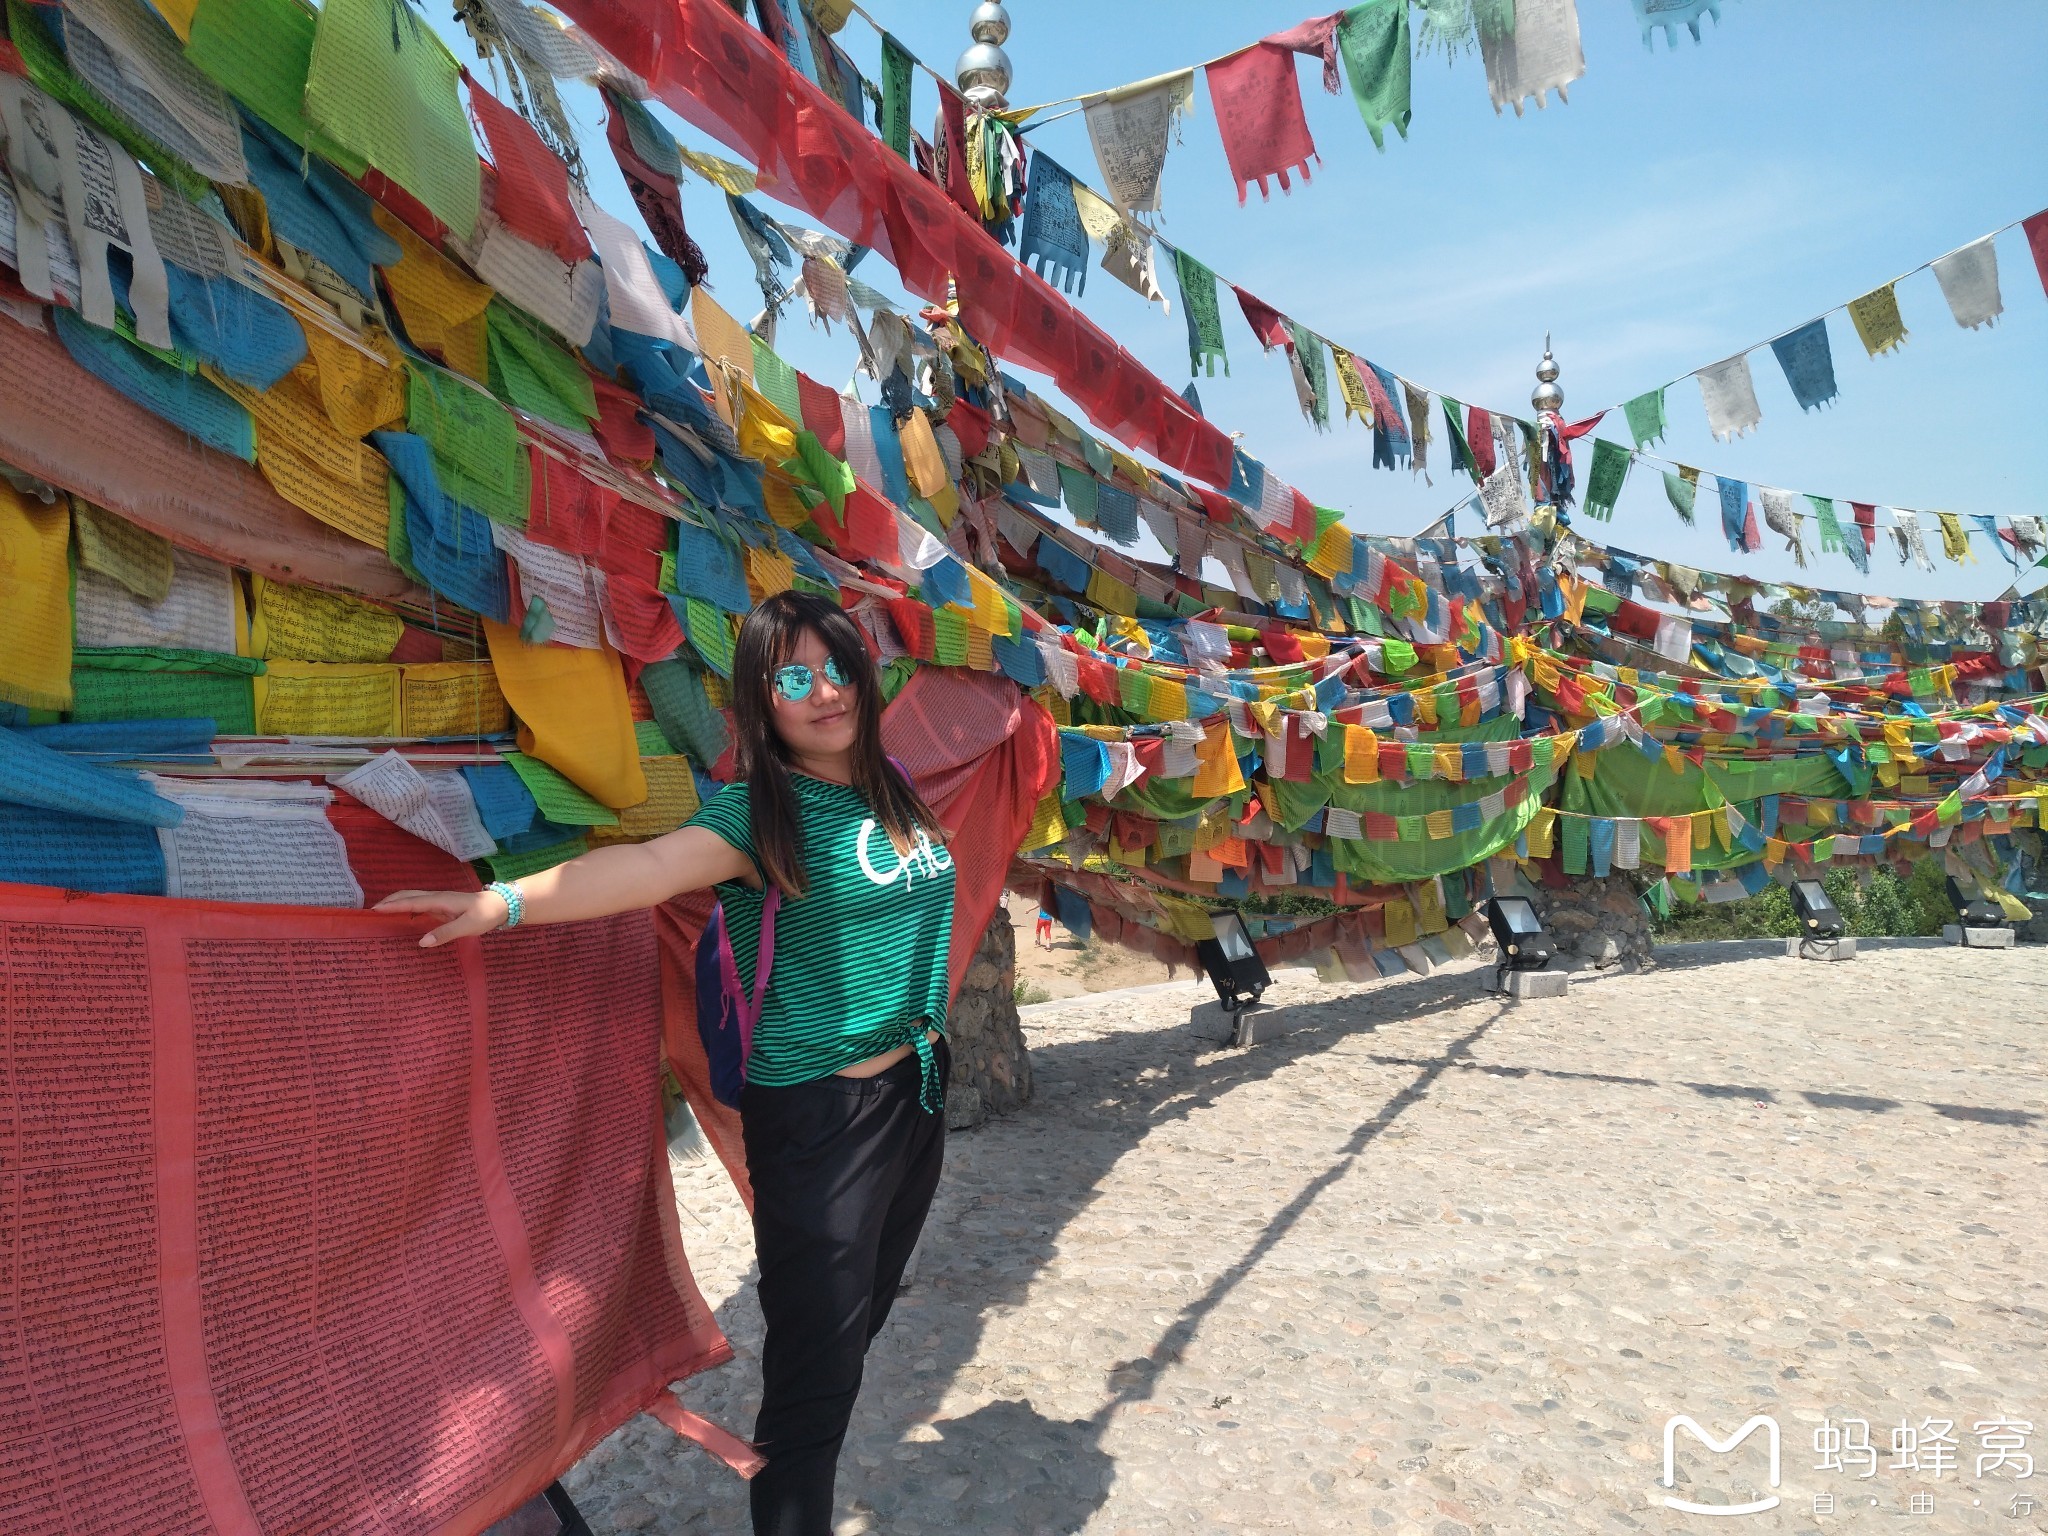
(732, 82)
(304, 1228)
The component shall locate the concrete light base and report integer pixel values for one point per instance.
(1820, 949)
(1526, 984)
(1977, 938)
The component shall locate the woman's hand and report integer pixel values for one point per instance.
(461, 913)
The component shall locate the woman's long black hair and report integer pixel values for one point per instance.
(767, 641)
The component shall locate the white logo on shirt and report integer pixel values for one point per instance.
(925, 857)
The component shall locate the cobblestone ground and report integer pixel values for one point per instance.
(1426, 1263)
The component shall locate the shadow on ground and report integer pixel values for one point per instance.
(980, 1460)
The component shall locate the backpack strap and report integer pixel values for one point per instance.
(764, 959)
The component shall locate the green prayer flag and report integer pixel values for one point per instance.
(1576, 839)
(259, 52)
(478, 457)
(1205, 320)
(709, 633)
(383, 86)
(160, 683)
(1681, 490)
(896, 95)
(1830, 526)
(1308, 356)
(1603, 485)
(1079, 488)
(815, 464)
(560, 800)
(949, 637)
(1461, 451)
(1373, 40)
(516, 866)
(776, 380)
(533, 373)
(1646, 417)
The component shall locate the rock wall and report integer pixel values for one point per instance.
(991, 1068)
(1599, 924)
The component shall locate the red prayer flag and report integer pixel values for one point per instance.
(2037, 242)
(1267, 323)
(1479, 433)
(1258, 112)
(822, 415)
(953, 125)
(1866, 521)
(533, 183)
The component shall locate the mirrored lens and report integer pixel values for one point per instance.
(834, 673)
(793, 682)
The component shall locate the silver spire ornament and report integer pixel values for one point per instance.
(983, 71)
(1547, 396)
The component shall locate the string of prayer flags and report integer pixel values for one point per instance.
(1129, 128)
(1603, 485)
(1809, 364)
(1257, 98)
(1730, 396)
(1877, 320)
(1969, 281)
(1373, 39)
(1052, 238)
(1645, 416)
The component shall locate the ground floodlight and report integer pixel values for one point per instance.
(1819, 918)
(1234, 966)
(1975, 910)
(1524, 944)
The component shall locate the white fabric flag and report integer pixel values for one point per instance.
(638, 303)
(1730, 395)
(1129, 128)
(1780, 518)
(1540, 53)
(437, 807)
(1969, 281)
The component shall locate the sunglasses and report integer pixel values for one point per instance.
(794, 681)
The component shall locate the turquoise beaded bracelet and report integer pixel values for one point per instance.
(515, 904)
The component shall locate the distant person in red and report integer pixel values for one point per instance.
(1044, 929)
(843, 1104)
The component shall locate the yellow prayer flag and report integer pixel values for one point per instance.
(443, 309)
(724, 174)
(1542, 833)
(317, 698)
(130, 554)
(338, 479)
(981, 653)
(1048, 823)
(452, 698)
(1361, 755)
(1449, 764)
(1400, 923)
(359, 393)
(35, 597)
(769, 571)
(1107, 593)
(1169, 699)
(1216, 768)
(573, 713)
(310, 624)
(922, 460)
(671, 801)
(1438, 824)
(1774, 850)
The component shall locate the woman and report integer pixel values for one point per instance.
(843, 1106)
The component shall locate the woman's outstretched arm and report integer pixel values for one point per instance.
(596, 884)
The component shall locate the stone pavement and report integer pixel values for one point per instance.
(1430, 1263)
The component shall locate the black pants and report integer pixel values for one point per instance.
(843, 1172)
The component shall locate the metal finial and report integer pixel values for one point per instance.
(983, 71)
(1547, 396)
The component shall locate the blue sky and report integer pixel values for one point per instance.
(1686, 204)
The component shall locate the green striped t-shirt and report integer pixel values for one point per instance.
(860, 957)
